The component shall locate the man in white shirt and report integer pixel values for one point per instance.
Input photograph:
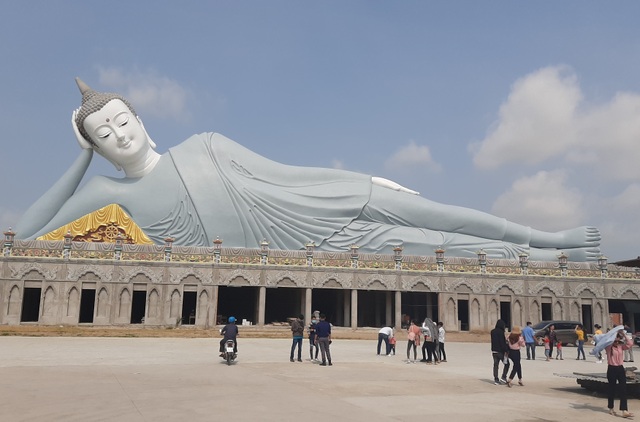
(385, 334)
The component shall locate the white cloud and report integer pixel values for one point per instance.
(542, 201)
(535, 123)
(544, 118)
(338, 164)
(412, 156)
(546, 121)
(608, 139)
(148, 92)
(621, 224)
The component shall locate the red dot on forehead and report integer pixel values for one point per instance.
(107, 119)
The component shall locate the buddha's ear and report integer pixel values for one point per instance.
(153, 144)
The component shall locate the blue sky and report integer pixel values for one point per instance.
(527, 110)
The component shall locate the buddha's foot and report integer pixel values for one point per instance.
(574, 254)
(580, 237)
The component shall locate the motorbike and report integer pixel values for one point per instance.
(228, 354)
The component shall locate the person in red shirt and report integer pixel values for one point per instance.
(616, 373)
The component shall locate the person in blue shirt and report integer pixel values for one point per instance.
(530, 341)
(323, 337)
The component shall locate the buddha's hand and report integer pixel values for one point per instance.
(386, 183)
(84, 144)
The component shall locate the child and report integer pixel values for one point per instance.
(392, 345)
(559, 349)
(547, 347)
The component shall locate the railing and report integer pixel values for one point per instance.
(68, 250)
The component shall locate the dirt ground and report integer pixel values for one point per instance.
(280, 331)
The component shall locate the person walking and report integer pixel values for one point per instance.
(597, 332)
(441, 336)
(313, 344)
(547, 347)
(323, 337)
(297, 330)
(553, 338)
(580, 340)
(530, 341)
(559, 350)
(430, 335)
(499, 351)
(615, 373)
(385, 334)
(413, 340)
(515, 342)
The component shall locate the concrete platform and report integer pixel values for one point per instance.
(169, 379)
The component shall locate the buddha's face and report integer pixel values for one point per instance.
(117, 133)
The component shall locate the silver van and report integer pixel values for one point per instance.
(565, 331)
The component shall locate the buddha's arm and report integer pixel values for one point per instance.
(45, 208)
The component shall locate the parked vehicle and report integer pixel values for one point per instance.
(565, 331)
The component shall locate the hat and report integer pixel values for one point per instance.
(597, 326)
(516, 330)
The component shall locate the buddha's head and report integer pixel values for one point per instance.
(93, 101)
(111, 127)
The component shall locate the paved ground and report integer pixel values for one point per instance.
(169, 379)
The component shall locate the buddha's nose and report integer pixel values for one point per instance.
(119, 135)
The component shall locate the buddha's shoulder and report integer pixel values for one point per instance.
(209, 140)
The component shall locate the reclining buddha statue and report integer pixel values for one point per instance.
(209, 186)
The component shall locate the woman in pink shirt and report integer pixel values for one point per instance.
(615, 372)
(413, 340)
(515, 342)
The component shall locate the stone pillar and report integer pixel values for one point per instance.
(430, 307)
(602, 265)
(354, 309)
(307, 303)
(440, 259)
(8, 242)
(524, 263)
(346, 309)
(262, 304)
(562, 263)
(168, 245)
(482, 261)
(354, 256)
(117, 249)
(388, 309)
(66, 247)
(213, 307)
(397, 257)
(398, 313)
(217, 249)
(310, 248)
(264, 252)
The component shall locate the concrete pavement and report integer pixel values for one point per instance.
(168, 379)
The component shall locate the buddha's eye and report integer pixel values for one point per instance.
(122, 119)
(104, 135)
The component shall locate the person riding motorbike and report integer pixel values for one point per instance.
(229, 332)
